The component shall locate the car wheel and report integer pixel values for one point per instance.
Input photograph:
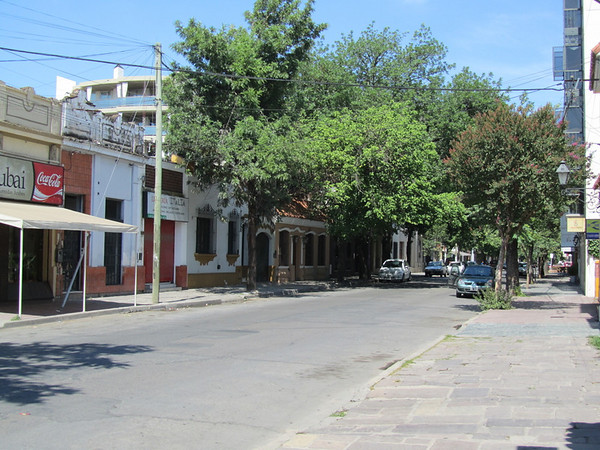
(458, 294)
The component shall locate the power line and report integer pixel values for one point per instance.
(557, 88)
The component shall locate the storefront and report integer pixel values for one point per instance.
(31, 218)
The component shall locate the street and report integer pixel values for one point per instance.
(244, 375)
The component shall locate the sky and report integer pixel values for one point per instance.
(512, 39)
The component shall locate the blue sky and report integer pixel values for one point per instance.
(512, 39)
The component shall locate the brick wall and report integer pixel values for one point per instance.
(78, 175)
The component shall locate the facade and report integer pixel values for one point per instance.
(573, 65)
(104, 160)
(30, 150)
(132, 97)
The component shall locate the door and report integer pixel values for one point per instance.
(262, 257)
(167, 250)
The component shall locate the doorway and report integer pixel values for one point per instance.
(262, 257)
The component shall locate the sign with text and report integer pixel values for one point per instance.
(31, 181)
(171, 207)
(592, 229)
(576, 224)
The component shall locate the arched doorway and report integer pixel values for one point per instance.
(262, 257)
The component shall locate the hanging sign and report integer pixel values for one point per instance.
(592, 229)
(31, 181)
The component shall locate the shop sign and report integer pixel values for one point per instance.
(31, 181)
(171, 207)
(592, 229)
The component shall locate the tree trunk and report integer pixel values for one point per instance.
(409, 239)
(512, 265)
(529, 264)
(341, 245)
(252, 228)
(499, 266)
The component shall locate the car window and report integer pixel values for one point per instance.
(391, 264)
(479, 271)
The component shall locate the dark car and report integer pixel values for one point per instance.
(474, 280)
(436, 268)
(522, 269)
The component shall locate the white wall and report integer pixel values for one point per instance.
(120, 180)
(591, 38)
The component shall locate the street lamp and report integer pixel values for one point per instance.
(563, 173)
(591, 198)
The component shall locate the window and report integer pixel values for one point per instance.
(113, 243)
(233, 234)
(206, 230)
(203, 235)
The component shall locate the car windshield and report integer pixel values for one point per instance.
(435, 263)
(392, 263)
(479, 271)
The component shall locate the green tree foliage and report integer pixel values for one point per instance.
(377, 67)
(505, 164)
(467, 95)
(226, 115)
(374, 167)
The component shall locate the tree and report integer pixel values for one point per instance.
(374, 68)
(226, 115)
(374, 167)
(505, 164)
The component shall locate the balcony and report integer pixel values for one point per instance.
(104, 103)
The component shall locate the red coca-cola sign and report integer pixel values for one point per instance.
(48, 184)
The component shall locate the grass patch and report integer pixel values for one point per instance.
(14, 319)
(490, 299)
(341, 413)
(594, 341)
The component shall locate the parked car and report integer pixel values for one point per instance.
(474, 280)
(522, 269)
(456, 268)
(436, 268)
(395, 270)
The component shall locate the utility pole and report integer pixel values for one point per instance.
(157, 177)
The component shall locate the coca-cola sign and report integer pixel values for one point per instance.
(31, 181)
(48, 187)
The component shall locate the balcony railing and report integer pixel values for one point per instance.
(150, 130)
(125, 101)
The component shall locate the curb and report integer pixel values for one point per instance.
(171, 306)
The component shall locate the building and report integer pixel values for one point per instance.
(132, 97)
(104, 160)
(32, 199)
(573, 65)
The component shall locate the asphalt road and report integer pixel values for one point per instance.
(233, 376)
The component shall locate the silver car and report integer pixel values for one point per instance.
(395, 270)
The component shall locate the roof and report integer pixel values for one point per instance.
(37, 216)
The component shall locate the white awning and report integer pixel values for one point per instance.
(30, 215)
(38, 216)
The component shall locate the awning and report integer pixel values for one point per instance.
(29, 215)
(37, 216)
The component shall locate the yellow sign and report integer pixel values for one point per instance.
(576, 224)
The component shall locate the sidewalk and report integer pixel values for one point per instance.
(44, 311)
(519, 379)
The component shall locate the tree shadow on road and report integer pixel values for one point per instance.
(24, 367)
